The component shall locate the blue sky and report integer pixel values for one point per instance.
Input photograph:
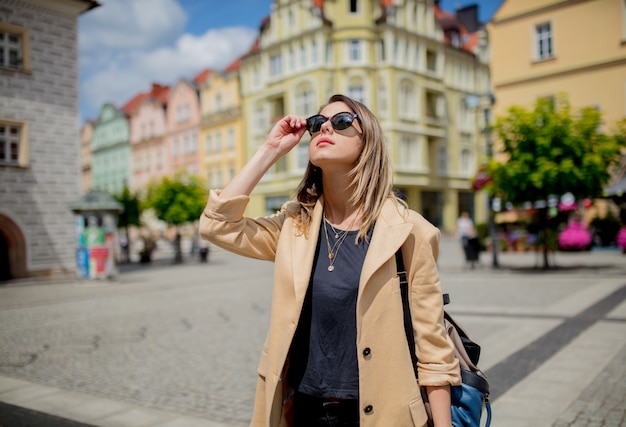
(125, 45)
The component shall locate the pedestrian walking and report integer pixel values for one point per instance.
(336, 351)
(469, 242)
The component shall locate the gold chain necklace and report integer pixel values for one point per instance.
(332, 253)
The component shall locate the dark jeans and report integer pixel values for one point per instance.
(312, 411)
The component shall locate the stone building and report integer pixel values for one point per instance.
(39, 135)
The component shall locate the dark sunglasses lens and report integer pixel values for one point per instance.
(342, 121)
(314, 123)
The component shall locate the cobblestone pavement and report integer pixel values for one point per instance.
(185, 339)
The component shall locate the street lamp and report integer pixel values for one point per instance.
(475, 101)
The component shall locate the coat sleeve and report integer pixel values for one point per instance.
(436, 362)
(223, 224)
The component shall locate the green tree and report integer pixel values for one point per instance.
(177, 201)
(552, 150)
(130, 216)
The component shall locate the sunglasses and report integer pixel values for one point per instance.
(339, 121)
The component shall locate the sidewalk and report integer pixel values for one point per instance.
(178, 345)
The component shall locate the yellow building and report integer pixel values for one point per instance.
(221, 148)
(411, 63)
(542, 48)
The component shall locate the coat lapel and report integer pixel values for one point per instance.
(390, 232)
(304, 253)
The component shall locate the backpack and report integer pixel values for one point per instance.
(472, 395)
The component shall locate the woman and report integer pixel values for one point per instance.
(336, 352)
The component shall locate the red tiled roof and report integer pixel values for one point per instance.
(157, 92)
(202, 76)
(233, 66)
(134, 103)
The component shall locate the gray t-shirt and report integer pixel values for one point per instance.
(323, 356)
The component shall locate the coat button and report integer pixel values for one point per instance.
(368, 409)
(367, 352)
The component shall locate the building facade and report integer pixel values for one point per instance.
(86, 135)
(110, 151)
(39, 136)
(399, 59)
(221, 149)
(183, 123)
(148, 129)
(554, 56)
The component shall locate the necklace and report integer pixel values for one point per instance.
(333, 228)
(334, 251)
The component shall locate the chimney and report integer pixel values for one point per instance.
(468, 17)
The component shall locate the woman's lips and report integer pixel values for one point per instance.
(324, 141)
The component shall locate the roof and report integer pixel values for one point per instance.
(450, 22)
(233, 66)
(92, 4)
(202, 76)
(96, 201)
(158, 92)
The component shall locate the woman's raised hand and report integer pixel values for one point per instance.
(286, 134)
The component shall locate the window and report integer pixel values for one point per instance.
(208, 143)
(292, 59)
(407, 100)
(442, 157)
(303, 155)
(218, 141)
(231, 138)
(354, 6)
(354, 50)
(465, 162)
(304, 102)
(381, 50)
(302, 56)
(13, 145)
(273, 204)
(543, 36)
(431, 60)
(382, 97)
(409, 152)
(314, 54)
(276, 65)
(356, 92)
(175, 147)
(14, 47)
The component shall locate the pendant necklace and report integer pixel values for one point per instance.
(334, 251)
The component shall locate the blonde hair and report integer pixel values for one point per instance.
(371, 175)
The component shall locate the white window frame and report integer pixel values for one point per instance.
(355, 53)
(544, 33)
(276, 65)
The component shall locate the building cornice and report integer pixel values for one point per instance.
(562, 72)
(71, 7)
(538, 11)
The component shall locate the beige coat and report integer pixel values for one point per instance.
(388, 393)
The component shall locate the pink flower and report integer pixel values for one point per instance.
(621, 238)
(575, 236)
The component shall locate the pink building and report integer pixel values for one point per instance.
(183, 121)
(147, 113)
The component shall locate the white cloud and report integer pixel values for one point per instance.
(124, 50)
(134, 24)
